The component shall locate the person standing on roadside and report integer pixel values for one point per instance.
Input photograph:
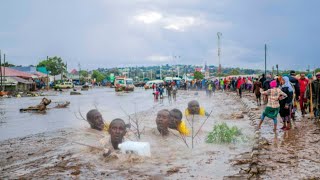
(265, 87)
(240, 86)
(295, 83)
(286, 104)
(315, 93)
(273, 107)
(262, 79)
(256, 90)
(303, 83)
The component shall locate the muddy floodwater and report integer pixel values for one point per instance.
(48, 145)
(111, 105)
(45, 145)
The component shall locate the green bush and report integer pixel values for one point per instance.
(222, 133)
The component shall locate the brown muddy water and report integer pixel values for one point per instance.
(16, 124)
(44, 145)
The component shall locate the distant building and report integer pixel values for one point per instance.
(15, 80)
(41, 79)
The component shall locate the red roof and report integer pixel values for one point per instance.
(74, 72)
(14, 73)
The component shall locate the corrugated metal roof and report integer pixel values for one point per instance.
(14, 73)
(40, 74)
(21, 80)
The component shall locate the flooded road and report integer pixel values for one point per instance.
(110, 104)
(53, 153)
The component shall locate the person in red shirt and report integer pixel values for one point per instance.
(303, 82)
(240, 83)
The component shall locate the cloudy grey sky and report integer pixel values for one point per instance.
(108, 33)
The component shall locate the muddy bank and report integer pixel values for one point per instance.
(56, 155)
(292, 154)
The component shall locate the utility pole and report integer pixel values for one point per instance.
(265, 59)
(160, 72)
(79, 74)
(219, 34)
(0, 71)
(277, 69)
(4, 70)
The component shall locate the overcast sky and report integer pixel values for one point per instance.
(108, 33)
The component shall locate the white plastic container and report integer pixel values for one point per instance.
(139, 148)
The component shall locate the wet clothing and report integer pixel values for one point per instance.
(262, 80)
(256, 89)
(295, 83)
(271, 113)
(183, 129)
(286, 104)
(266, 84)
(303, 87)
(273, 97)
(315, 87)
(239, 83)
(303, 83)
(202, 112)
(273, 106)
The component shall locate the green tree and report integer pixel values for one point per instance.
(54, 64)
(198, 75)
(234, 72)
(98, 76)
(83, 73)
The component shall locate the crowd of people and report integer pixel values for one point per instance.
(282, 95)
(297, 92)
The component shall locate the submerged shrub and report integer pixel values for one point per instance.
(222, 133)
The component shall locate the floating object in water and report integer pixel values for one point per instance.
(139, 148)
(75, 93)
(31, 110)
(63, 105)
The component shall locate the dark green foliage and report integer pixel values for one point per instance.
(53, 64)
(98, 76)
(222, 133)
(198, 75)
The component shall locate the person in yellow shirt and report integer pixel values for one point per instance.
(195, 109)
(176, 122)
(96, 122)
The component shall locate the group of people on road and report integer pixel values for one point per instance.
(283, 94)
(170, 88)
